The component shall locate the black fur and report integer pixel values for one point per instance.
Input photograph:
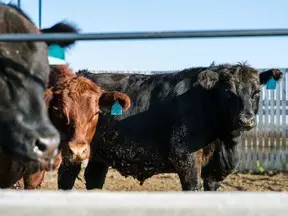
(24, 121)
(62, 27)
(24, 72)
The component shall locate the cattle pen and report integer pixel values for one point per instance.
(264, 149)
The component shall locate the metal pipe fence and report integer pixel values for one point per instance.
(145, 35)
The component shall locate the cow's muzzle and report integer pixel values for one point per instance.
(247, 122)
(78, 152)
(46, 148)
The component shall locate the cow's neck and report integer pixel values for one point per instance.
(229, 149)
(215, 118)
(229, 153)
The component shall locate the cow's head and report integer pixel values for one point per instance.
(25, 128)
(74, 107)
(236, 91)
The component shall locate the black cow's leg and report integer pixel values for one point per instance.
(67, 175)
(211, 185)
(189, 168)
(95, 174)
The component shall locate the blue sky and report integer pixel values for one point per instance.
(155, 15)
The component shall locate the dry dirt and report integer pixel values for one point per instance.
(170, 182)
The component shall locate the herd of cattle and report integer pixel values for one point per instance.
(188, 122)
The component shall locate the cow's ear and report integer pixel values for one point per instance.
(48, 96)
(61, 27)
(267, 75)
(208, 79)
(107, 99)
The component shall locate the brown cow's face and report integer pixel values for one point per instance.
(83, 118)
(75, 115)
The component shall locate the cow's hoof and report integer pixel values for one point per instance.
(197, 188)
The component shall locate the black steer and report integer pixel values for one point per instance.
(172, 117)
(25, 128)
(220, 160)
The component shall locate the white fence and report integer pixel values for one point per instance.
(57, 203)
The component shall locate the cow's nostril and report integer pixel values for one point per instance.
(77, 150)
(248, 121)
(41, 146)
(71, 151)
(47, 147)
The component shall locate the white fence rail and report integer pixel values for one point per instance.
(27, 203)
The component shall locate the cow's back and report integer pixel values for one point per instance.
(143, 90)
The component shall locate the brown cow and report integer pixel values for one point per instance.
(74, 104)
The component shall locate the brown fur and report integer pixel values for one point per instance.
(73, 104)
(113, 96)
(61, 73)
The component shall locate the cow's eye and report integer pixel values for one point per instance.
(61, 115)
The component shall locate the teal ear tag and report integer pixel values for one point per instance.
(56, 55)
(271, 84)
(116, 109)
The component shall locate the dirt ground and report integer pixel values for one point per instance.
(170, 182)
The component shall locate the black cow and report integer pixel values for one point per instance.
(175, 122)
(25, 128)
(220, 160)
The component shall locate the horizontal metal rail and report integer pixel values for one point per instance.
(144, 35)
